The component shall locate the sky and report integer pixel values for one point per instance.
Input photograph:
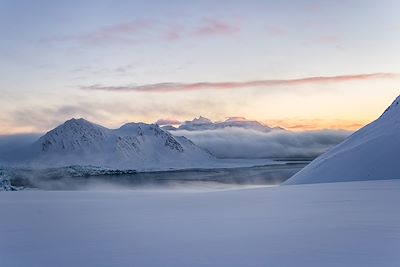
(302, 65)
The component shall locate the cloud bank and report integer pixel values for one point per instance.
(11, 145)
(182, 87)
(245, 143)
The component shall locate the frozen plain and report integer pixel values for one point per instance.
(331, 224)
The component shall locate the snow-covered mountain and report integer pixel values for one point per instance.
(132, 146)
(372, 153)
(202, 123)
(169, 128)
(196, 124)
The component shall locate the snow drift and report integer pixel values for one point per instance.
(369, 154)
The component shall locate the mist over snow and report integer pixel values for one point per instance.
(10, 142)
(11, 145)
(233, 142)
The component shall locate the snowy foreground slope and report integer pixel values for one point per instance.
(372, 153)
(336, 224)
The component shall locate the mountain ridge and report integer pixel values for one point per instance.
(131, 146)
(371, 153)
(202, 123)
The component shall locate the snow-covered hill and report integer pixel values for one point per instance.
(372, 153)
(133, 146)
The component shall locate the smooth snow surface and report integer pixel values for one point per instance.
(372, 153)
(337, 224)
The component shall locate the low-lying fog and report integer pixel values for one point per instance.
(193, 180)
(224, 143)
(248, 143)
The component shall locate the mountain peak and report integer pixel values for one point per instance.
(77, 122)
(72, 135)
(137, 124)
(200, 121)
(140, 128)
(393, 106)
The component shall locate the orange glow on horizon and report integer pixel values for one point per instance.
(296, 125)
(301, 125)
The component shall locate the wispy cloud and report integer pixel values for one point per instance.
(274, 31)
(326, 40)
(126, 32)
(216, 27)
(182, 87)
(144, 31)
(172, 36)
(40, 118)
(313, 8)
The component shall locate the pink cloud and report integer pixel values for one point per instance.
(172, 36)
(274, 31)
(313, 8)
(139, 31)
(328, 39)
(130, 27)
(236, 118)
(126, 32)
(176, 87)
(216, 28)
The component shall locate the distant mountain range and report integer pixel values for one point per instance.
(202, 123)
(235, 142)
(372, 153)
